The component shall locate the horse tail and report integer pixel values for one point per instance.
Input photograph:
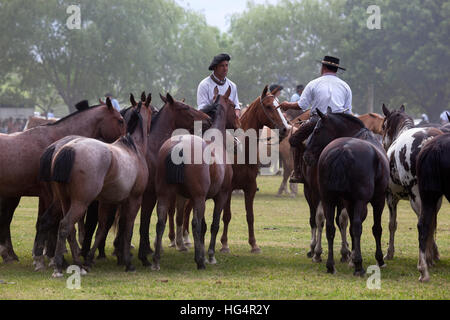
(63, 165)
(336, 172)
(174, 172)
(45, 164)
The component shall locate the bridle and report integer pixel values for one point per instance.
(267, 114)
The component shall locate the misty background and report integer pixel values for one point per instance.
(164, 46)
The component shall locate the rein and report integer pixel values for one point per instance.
(265, 112)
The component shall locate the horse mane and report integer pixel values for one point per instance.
(128, 142)
(134, 121)
(247, 113)
(72, 114)
(211, 111)
(155, 118)
(351, 118)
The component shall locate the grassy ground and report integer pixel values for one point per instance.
(281, 271)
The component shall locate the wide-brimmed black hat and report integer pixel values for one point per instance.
(218, 59)
(331, 61)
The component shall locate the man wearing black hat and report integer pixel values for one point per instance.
(323, 92)
(218, 78)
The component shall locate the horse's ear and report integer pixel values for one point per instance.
(321, 115)
(329, 110)
(101, 101)
(402, 108)
(132, 101)
(264, 93)
(143, 96)
(227, 94)
(109, 104)
(148, 100)
(163, 98)
(183, 100)
(386, 111)
(169, 98)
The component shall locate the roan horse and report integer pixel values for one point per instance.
(208, 178)
(353, 170)
(21, 153)
(261, 112)
(433, 175)
(403, 143)
(85, 169)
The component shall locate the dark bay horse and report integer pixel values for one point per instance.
(433, 175)
(261, 112)
(196, 180)
(85, 169)
(403, 142)
(353, 170)
(19, 169)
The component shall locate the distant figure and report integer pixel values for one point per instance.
(50, 114)
(298, 92)
(114, 102)
(276, 89)
(424, 119)
(444, 117)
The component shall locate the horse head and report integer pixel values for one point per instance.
(111, 124)
(232, 121)
(329, 127)
(394, 122)
(183, 115)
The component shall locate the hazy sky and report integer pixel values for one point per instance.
(217, 13)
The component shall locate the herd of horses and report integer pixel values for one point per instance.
(98, 166)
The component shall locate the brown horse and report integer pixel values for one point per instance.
(261, 112)
(85, 169)
(196, 180)
(21, 153)
(38, 121)
(373, 122)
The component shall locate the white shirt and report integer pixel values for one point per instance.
(295, 97)
(326, 91)
(205, 92)
(443, 116)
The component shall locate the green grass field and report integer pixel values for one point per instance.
(280, 271)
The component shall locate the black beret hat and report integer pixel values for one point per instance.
(218, 59)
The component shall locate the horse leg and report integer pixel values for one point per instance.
(359, 214)
(187, 212)
(378, 206)
(294, 189)
(7, 208)
(46, 223)
(328, 210)
(90, 226)
(283, 184)
(249, 194)
(426, 227)
(171, 216)
(181, 202)
(162, 208)
(219, 203)
(148, 203)
(320, 218)
(109, 223)
(66, 227)
(129, 212)
(342, 222)
(392, 201)
(197, 226)
(226, 221)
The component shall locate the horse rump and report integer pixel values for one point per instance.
(45, 164)
(63, 165)
(334, 165)
(174, 172)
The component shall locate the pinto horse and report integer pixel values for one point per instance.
(403, 143)
(433, 175)
(261, 112)
(196, 180)
(21, 153)
(85, 169)
(353, 170)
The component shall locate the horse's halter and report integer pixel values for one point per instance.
(266, 113)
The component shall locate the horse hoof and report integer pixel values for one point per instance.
(201, 267)
(256, 250)
(389, 256)
(359, 273)
(57, 274)
(130, 268)
(172, 244)
(423, 278)
(182, 248)
(316, 259)
(101, 257)
(155, 267)
(309, 254)
(225, 250)
(212, 260)
(384, 265)
(145, 262)
(331, 270)
(10, 259)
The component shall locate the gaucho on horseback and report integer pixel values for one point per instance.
(328, 90)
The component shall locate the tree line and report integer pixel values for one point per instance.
(135, 45)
